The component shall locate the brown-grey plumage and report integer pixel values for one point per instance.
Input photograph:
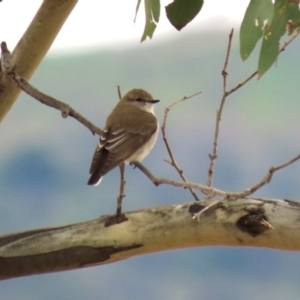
(129, 134)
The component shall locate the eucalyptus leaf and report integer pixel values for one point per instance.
(181, 12)
(293, 14)
(271, 38)
(152, 11)
(258, 13)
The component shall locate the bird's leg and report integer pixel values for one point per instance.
(119, 217)
(121, 194)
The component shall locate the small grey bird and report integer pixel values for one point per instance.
(129, 134)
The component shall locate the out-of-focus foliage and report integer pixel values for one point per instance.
(263, 19)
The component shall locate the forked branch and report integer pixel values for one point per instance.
(66, 110)
(213, 156)
(172, 158)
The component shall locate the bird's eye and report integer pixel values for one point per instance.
(138, 99)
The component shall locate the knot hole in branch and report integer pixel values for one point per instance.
(254, 223)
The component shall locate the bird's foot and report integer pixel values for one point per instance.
(132, 164)
(116, 219)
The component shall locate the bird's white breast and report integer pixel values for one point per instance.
(143, 151)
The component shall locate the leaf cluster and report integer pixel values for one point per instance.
(263, 20)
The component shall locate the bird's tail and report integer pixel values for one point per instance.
(95, 179)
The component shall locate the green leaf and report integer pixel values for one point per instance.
(293, 14)
(181, 12)
(152, 11)
(271, 38)
(257, 13)
(156, 10)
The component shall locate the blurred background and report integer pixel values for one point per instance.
(45, 159)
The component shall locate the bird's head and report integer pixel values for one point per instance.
(141, 99)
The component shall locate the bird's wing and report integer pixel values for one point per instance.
(98, 154)
(116, 145)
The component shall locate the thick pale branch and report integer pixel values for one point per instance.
(33, 46)
(241, 222)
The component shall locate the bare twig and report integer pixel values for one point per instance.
(205, 209)
(119, 92)
(157, 181)
(65, 109)
(242, 83)
(5, 59)
(247, 192)
(282, 48)
(264, 181)
(213, 155)
(163, 130)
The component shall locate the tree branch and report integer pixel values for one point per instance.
(213, 156)
(163, 130)
(239, 222)
(33, 46)
(19, 81)
(282, 48)
(184, 184)
(267, 178)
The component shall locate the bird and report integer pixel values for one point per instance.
(129, 134)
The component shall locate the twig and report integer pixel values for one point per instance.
(119, 92)
(267, 178)
(242, 83)
(66, 110)
(205, 209)
(157, 181)
(247, 192)
(282, 48)
(213, 156)
(121, 193)
(163, 130)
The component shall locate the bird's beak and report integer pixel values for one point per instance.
(153, 101)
